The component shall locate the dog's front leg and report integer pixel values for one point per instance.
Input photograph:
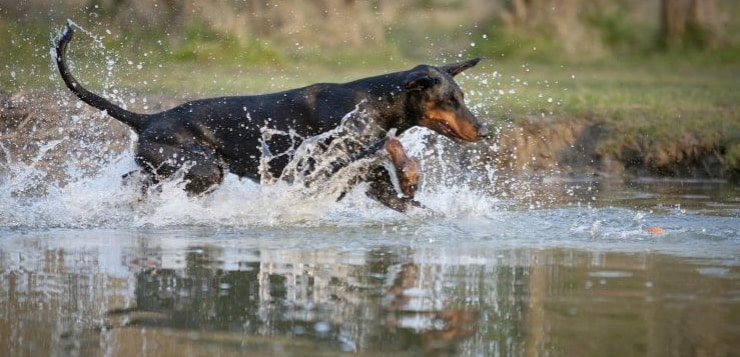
(382, 190)
(406, 170)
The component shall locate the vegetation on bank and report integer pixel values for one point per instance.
(653, 103)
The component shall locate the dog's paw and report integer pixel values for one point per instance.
(416, 209)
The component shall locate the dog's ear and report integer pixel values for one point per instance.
(454, 69)
(420, 80)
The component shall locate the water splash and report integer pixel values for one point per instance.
(90, 191)
(328, 165)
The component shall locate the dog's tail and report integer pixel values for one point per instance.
(134, 120)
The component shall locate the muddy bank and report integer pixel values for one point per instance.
(589, 146)
(54, 133)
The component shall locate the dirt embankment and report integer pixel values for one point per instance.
(46, 129)
(587, 146)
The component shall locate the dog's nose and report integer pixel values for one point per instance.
(483, 132)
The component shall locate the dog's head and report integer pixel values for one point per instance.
(440, 102)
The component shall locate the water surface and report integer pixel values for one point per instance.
(569, 270)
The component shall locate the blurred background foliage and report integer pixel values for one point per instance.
(263, 32)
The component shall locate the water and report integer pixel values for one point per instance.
(510, 266)
(534, 267)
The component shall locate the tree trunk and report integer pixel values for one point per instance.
(672, 22)
(702, 24)
(689, 23)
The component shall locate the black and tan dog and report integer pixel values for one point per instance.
(209, 137)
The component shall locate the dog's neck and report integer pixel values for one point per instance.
(387, 99)
(392, 109)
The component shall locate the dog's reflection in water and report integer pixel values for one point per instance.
(417, 308)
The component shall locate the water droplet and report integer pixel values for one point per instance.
(322, 327)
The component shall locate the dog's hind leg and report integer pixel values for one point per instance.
(198, 163)
(141, 178)
(203, 172)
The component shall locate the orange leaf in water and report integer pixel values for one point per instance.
(655, 230)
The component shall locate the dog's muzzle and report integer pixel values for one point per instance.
(483, 132)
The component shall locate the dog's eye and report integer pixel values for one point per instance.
(455, 101)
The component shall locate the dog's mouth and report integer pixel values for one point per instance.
(460, 126)
(452, 135)
(448, 131)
